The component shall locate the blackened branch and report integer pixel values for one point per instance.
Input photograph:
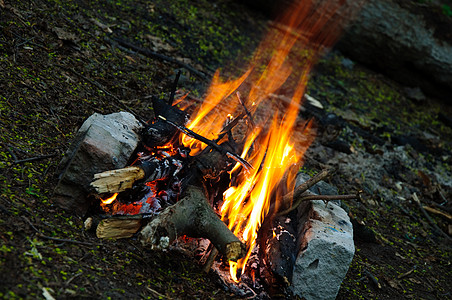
(250, 117)
(210, 143)
(173, 90)
(230, 125)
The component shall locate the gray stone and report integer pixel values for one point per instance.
(103, 142)
(325, 251)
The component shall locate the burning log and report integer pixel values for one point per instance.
(116, 181)
(193, 216)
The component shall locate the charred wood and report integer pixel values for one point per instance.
(212, 164)
(280, 254)
(159, 132)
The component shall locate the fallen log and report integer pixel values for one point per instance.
(192, 216)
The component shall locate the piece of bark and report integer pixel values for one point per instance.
(192, 216)
(118, 227)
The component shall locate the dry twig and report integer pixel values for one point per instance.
(429, 219)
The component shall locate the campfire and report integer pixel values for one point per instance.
(224, 168)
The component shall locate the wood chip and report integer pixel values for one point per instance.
(118, 228)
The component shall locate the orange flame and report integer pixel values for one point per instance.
(206, 122)
(278, 140)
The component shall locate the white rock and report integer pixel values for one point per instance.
(326, 250)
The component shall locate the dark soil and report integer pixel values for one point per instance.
(60, 62)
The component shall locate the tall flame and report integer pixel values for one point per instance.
(278, 140)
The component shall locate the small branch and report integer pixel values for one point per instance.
(226, 130)
(230, 125)
(373, 279)
(250, 117)
(72, 278)
(156, 294)
(442, 208)
(34, 158)
(405, 274)
(65, 240)
(210, 143)
(287, 199)
(12, 153)
(438, 212)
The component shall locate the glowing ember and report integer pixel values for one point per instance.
(109, 200)
(278, 140)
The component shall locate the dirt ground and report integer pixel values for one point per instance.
(61, 61)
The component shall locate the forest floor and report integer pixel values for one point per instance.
(60, 62)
